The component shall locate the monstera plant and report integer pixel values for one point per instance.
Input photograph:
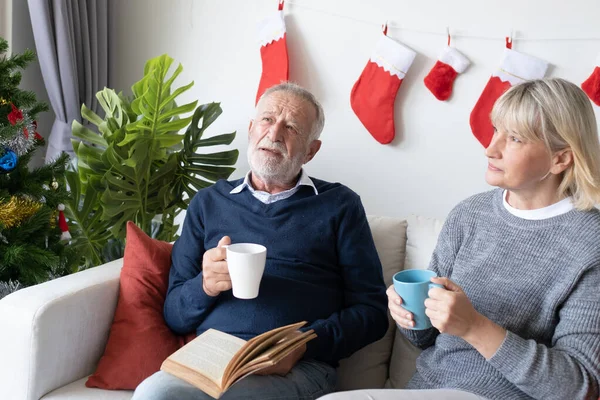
(141, 167)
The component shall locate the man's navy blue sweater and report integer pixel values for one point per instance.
(322, 267)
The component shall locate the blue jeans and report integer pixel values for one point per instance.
(403, 394)
(308, 380)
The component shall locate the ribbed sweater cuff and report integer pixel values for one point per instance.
(321, 347)
(418, 338)
(195, 294)
(509, 356)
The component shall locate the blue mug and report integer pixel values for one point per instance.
(412, 285)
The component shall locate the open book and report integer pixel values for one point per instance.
(216, 360)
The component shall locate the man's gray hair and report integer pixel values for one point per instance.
(297, 90)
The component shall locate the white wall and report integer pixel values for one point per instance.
(435, 161)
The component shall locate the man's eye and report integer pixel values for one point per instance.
(290, 128)
(267, 119)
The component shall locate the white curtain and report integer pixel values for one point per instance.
(6, 22)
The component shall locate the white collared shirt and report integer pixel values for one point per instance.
(553, 210)
(268, 198)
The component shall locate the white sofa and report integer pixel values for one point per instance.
(53, 334)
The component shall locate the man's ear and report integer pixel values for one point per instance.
(250, 126)
(561, 160)
(313, 149)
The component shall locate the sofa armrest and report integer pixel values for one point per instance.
(54, 333)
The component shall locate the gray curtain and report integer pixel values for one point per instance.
(71, 40)
(6, 23)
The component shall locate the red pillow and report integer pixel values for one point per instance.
(139, 339)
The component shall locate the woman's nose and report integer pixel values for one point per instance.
(492, 151)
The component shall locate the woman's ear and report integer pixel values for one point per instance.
(561, 160)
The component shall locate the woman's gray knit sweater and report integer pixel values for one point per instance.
(540, 280)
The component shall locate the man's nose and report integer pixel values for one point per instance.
(276, 131)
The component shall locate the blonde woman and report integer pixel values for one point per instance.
(519, 315)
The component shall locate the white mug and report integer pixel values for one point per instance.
(246, 263)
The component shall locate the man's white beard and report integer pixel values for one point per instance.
(271, 169)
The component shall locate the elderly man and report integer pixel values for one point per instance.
(322, 266)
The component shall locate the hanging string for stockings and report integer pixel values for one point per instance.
(445, 31)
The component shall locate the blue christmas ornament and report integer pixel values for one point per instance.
(8, 161)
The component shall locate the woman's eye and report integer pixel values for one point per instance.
(514, 139)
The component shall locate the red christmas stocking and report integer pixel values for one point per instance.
(374, 93)
(440, 79)
(591, 86)
(273, 51)
(515, 68)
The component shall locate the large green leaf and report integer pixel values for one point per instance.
(210, 172)
(228, 157)
(141, 167)
(216, 140)
(198, 170)
(88, 135)
(91, 116)
(171, 98)
(167, 229)
(91, 156)
(90, 233)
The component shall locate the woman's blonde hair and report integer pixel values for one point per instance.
(558, 113)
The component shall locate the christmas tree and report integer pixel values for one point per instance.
(33, 232)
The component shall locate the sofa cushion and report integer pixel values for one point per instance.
(139, 339)
(55, 332)
(368, 367)
(421, 237)
(422, 234)
(77, 391)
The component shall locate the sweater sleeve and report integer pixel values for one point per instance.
(363, 318)
(442, 261)
(420, 338)
(569, 367)
(186, 304)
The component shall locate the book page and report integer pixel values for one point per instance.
(257, 344)
(209, 353)
(284, 346)
(192, 377)
(270, 357)
(244, 372)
